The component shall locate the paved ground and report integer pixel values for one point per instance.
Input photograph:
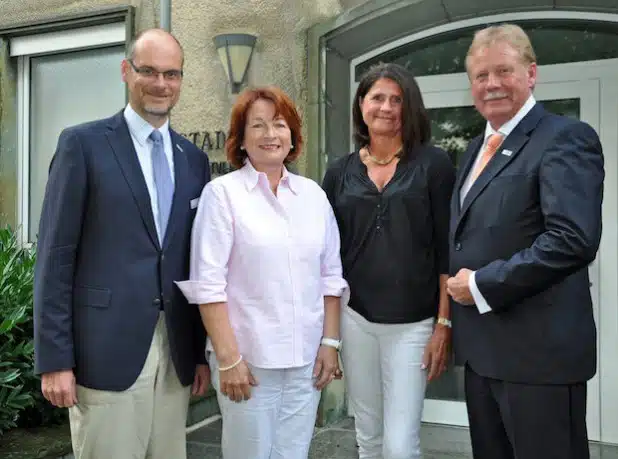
(337, 442)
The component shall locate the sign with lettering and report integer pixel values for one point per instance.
(207, 140)
(211, 142)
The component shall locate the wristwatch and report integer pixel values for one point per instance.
(331, 342)
(444, 321)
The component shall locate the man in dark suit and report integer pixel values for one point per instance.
(115, 340)
(525, 224)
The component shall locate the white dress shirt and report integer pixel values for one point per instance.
(505, 130)
(272, 258)
(140, 131)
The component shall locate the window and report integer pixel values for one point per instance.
(64, 78)
(554, 41)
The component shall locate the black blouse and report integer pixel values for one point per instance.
(394, 243)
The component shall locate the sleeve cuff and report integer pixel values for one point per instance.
(480, 301)
(199, 292)
(338, 288)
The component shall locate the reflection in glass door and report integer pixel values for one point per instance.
(453, 128)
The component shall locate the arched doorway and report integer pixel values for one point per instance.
(578, 58)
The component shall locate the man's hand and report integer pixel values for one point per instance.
(201, 380)
(458, 288)
(59, 388)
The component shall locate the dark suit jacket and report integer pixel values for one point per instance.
(529, 227)
(101, 274)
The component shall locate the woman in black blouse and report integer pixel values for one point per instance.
(391, 199)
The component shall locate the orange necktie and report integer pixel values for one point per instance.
(493, 143)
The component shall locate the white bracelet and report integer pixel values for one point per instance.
(235, 364)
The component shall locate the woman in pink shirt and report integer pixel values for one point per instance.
(266, 272)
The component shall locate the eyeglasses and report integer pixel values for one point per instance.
(153, 74)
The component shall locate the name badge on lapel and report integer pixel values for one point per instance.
(507, 152)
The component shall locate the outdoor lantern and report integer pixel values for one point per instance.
(235, 51)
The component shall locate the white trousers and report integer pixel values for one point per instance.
(276, 422)
(147, 420)
(385, 384)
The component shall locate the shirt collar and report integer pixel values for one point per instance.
(141, 129)
(252, 177)
(508, 127)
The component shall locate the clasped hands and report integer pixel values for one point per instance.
(458, 287)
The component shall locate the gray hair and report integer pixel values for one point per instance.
(511, 34)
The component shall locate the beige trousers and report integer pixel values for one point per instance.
(147, 421)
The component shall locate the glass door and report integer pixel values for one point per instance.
(455, 122)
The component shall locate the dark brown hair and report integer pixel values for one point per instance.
(283, 106)
(415, 124)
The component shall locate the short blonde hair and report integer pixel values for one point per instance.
(511, 34)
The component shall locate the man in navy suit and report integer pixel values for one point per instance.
(525, 225)
(115, 340)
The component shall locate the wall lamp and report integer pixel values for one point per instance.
(235, 51)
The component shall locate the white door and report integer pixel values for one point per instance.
(587, 91)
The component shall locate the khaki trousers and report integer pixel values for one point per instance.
(147, 421)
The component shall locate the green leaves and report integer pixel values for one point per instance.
(21, 402)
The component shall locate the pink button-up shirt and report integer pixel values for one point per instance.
(271, 258)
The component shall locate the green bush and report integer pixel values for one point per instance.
(21, 401)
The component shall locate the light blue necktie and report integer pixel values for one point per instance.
(163, 181)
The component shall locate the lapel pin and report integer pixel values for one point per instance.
(507, 152)
(180, 148)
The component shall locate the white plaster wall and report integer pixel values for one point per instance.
(21, 11)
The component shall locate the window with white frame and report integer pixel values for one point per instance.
(64, 78)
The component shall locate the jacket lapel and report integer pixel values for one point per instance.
(120, 140)
(464, 169)
(181, 174)
(509, 149)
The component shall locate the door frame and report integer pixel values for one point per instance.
(590, 81)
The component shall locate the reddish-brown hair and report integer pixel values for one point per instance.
(283, 106)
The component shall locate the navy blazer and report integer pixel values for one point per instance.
(529, 226)
(101, 276)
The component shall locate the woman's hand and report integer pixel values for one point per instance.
(326, 366)
(236, 382)
(437, 351)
